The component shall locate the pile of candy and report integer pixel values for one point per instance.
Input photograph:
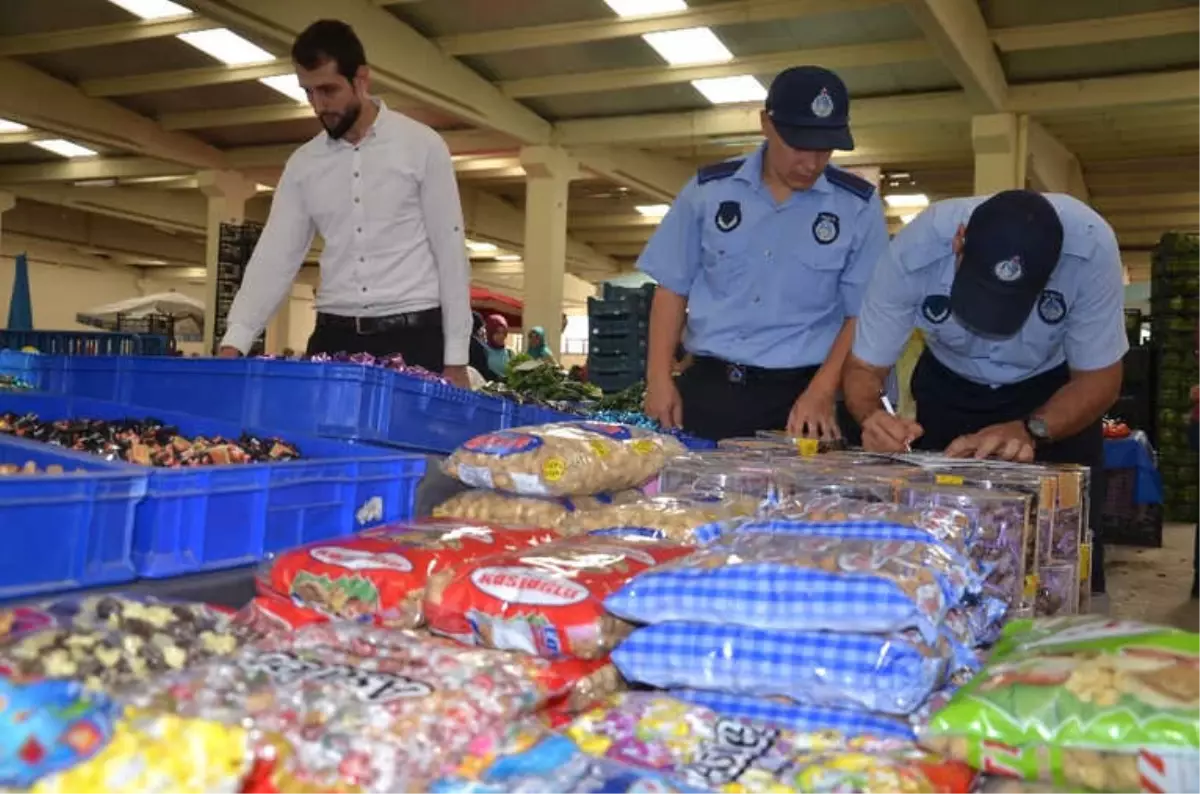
(147, 442)
(394, 362)
(12, 469)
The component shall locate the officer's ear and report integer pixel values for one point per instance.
(960, 238)
(764, 120)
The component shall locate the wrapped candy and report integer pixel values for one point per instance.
(394, 362)
(49, 726)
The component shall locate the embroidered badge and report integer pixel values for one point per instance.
(822, 105)
(1009, 270)
(826, 228)
(936, 308)
(729, 216)
(1052, 307)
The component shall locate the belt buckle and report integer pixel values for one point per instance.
(358, 326)
(736, 373)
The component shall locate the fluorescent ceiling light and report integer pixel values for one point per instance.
(226, 46)
(12, 126)
(641, 8)
(652, 210)
(508, 258)
(907, 201)
(476, 247)
(690, 45)
(261, 188)
(64, 148)
(152, 9)
(286, 84)
(726, 90)
(909, 218)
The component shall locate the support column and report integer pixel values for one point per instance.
(7, 202)
(548, 174)
(1001, 146)
(227, 193)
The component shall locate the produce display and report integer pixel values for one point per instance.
(147, 442)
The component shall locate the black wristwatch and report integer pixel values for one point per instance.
(1037, 429)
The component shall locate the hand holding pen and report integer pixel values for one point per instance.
(884, 431)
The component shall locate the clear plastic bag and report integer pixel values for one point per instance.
(674, 518)
(787, 713)
(493, 507)
(946, 524)
(563, 459)
(720, 476)
(1058, 590)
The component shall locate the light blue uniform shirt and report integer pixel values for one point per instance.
(1079, 317)
(768, 284)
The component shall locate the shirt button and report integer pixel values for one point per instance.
(767, 253)
(362, 259)
(359, 230)
(364, 289)
(356, 199)
(356, 175)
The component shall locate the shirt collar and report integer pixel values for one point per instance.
(752, 168)
(380, 122)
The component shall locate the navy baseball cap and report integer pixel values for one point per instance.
(1013, 242)
(810, 109)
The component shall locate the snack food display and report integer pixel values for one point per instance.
(720, 475)
(494, 507)
(1082, 701)
(567, 459)
(49, 726)
(147, 442)
(382, 575)
(787, 713)
(946, 524)
(29, 467)
(1058, 590)
(674, 518)
(547, 601)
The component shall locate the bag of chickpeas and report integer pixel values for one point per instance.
(493, 507)
(1082, 701)
(562, 459)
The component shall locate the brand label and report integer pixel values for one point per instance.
(615, 432)
(369, 686)
(357, 560)
(724, 759)
(515, 584)
(503, 444)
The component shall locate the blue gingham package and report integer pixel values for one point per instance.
(886, 674)
(789, 714)
(800, 583)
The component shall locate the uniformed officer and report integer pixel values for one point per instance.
(1020, 300)
(765, 260)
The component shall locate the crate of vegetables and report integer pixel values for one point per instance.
(219, 495)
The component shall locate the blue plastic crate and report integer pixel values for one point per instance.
(65, 531)
(212, 517)
(434, 417)
(86, 343)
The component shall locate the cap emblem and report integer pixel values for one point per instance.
(1009, 270)
(822, 105)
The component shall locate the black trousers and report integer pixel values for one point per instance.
(422, 346)
(949, 406)
(723, 401)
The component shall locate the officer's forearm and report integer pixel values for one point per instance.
(668, 312)
(829, 377)
(1082, 401)
(861, 385)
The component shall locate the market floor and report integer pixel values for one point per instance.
(1153, 585)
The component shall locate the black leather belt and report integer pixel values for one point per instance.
(369, 326)
(742, 373)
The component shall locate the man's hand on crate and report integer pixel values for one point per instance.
(229, 352)
(457, 375)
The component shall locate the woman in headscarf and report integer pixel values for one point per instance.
(537, 343)
(477, 353)
(497, 352)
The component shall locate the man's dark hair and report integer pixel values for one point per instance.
(330, 40)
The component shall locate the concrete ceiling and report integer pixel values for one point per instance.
(1112, 86)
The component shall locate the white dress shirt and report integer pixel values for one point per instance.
(389, 213)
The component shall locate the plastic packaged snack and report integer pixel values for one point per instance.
(674, 518)
(699, 748)
(382, 575)
(1082, 701)
(783, 712)
(950, 526)
(272, 614)
(1070, 514)
(850, 484)
(344, 707)
(160, 754)
(1058, 591)
(547, 601)
(720, 475)
(800, 583)
(563, 459)
(494, 507)
(47, 727)
(1085, 574)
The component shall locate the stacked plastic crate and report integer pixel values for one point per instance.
(1175, 281)
(619, 327)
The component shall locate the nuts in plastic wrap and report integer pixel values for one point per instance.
(674, 518)
(47, 727)
(382, 575)
(563, 459)
(1058, 591)
(887, 674)
(847, 484)
(1083, 701)
(699, 748)
(787, 713)
(719, 476)
(110, 642)
(493, 507)
(801, 583)
(344, 707)
(547, 601)
(950, 526)
(1070, 514)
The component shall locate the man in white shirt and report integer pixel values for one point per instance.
(380, 190)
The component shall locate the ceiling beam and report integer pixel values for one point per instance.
(631, 234)
(179, 211)
(1105, 92)
(1178, 221)
(957, 29)
(853, 55)
(184, 78)
(1148, 203)
(44, 103)
(610, 221)
(89, 169)
(235, 117)
(744, 120)
(1100, 30)
(401, 59)
(728, 13)
(100, 35)
(656, 176)
(82, 229)
(1053, 168)
(29, 136)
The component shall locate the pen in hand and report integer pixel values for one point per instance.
(887, 406)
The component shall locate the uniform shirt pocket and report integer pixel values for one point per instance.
(1037, 343)
(722, 269)
(806, 282)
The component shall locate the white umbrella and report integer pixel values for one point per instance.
(186, 312)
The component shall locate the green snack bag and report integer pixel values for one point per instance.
(1083, 700)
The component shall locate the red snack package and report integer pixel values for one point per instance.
(547, 601)
(381, 575)
(272, 613)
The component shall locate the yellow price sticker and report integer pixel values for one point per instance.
(1031, 587)
(949, 479)
(644, 446)
(554, 469)
(599, 447)
(1085, 562)
(808, 447)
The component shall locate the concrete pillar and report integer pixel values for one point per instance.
(227, 193)
(7, 202)
(1001, 144)
(548, 175)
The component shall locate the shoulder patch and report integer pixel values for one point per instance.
(722, 170)
(849, 182)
